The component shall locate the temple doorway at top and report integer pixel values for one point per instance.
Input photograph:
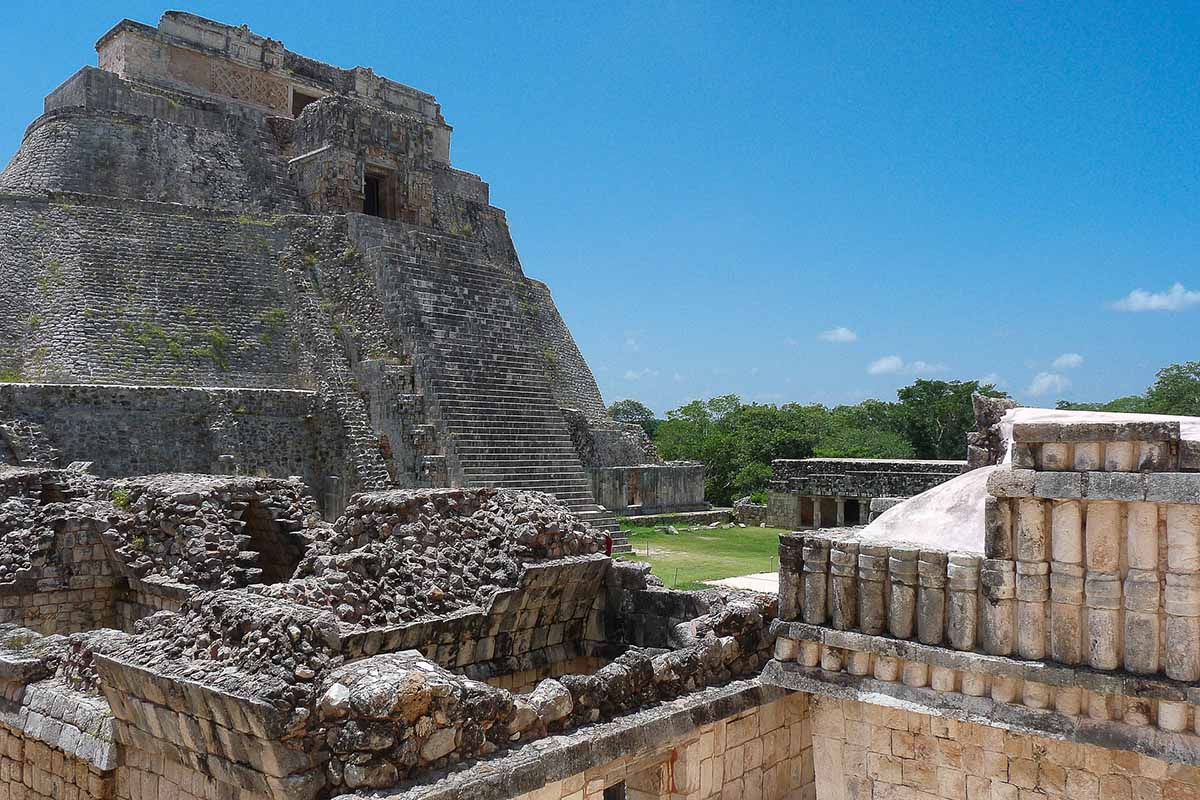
(300, 100)
(373, 195)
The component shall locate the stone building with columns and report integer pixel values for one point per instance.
(839, 492)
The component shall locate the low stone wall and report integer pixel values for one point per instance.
(749, 513)
(872, 752)
(763, 753)
(55, 742)
(650, 488)
(744, 740)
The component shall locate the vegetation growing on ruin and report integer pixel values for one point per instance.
(120, 498)
(10, 376)
(273, 321)
(688, 558)
(216, 348)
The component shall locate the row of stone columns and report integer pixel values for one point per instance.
(1074, 581)
(898, 590)
(1068, 553)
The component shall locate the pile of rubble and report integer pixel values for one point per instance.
(400, 556)
(192, 529)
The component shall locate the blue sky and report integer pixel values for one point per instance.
(796, 202)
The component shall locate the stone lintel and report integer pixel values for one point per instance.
(1129, 487)
(1040, 432)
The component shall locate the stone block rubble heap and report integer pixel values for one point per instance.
(394, 557)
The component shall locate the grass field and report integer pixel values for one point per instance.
(687, 559)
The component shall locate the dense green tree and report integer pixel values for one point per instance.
(935, 416)
(1134, 404)
(737, 442)
(630, 411)
(1176, 390)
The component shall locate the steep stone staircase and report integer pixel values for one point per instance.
(490, 384)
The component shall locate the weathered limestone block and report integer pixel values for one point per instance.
(1119, 456)
(998, 581)
(931, 596)
(1102, 587)
(902, 571)
(1142, 590)
(843, 570)
(1066, 582)
(816, 569)
(1182, 597)
(1056, 456)
(1032, 578)
(1032, 591)
(1087, 456)
(872, 572)
(997, 521)
(791, 584)
(963, 603)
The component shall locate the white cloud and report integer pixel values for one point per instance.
(633, 341)
(792, 341)
(886, 365)
(839, 334)
(895, 365)
(993, 378)
(1048, 383)
(638, 374)
(678, 377)
(1068, 361)
(1177, 298)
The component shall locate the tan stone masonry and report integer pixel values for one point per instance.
(761, 754)
(873, 752)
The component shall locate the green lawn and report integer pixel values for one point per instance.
(685, 560)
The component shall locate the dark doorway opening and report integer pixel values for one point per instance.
(853, 515)
(279, 551)
(806, 512)
(615, 792)
(371, 196)
(300, 100)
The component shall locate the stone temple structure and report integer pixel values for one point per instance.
(220, 256)
(1028, 629)
(841, 492)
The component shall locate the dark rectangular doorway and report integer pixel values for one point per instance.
(371, 193)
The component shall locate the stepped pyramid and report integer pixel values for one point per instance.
(218, 255)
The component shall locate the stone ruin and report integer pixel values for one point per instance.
(201, 636)
(219, 256)
(1028, 629)
(253, 283)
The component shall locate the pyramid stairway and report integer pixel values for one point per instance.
(490, 384)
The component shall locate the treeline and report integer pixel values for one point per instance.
(737, 441)
(1176, 390)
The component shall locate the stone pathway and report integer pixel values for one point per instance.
(765, 582)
